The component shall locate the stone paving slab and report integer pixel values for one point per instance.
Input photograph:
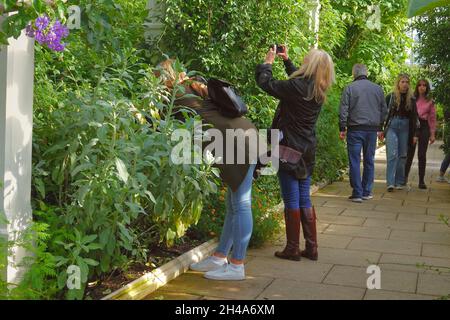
(324, 240)
(356, 231)
(439, 205)
(321, 227)
(193, 283)
(328, 211)
(304, 270)
(434, 284)
(333, 241)
(392, 295)
(437, 227)
(436, 250)
(357, 277)
(388, 246)
(418, 218)
(349, 204)
(425, 237)
(399, 196)
(348, 257)
(413, 263)
(332, 219)
(401, 209)
(282, 289)
(394, 224)
(438, 212)
(370, 214)
(443, 199)
(387, 202)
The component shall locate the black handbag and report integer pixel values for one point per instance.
(292, 161)
(226, 98)
(389, 117)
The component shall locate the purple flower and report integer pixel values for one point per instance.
(42, 22)
(30, 31)
(47, 34)
(51, 37)
(40, 37)
(59, 29)
(56, 46)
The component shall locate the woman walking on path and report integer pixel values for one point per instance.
(301, 98)
(401, 126)
(427, 118)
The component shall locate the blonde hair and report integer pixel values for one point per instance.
(397, 94)
(169, 77)
(167, 73)
(319, 66)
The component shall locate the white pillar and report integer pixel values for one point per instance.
(16, 125)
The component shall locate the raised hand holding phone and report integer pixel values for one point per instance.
(282, 52)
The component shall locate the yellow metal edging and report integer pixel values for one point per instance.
(149, 282)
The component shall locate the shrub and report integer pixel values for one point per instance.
(265, 197)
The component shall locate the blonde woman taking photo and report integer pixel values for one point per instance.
(301, 98)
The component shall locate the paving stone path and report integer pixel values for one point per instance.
(395, 231)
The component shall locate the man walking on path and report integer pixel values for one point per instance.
(362, 113)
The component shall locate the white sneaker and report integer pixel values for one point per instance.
(441, 179)
(230, 271)
(370, 196)
(400, 187)
(209, 264)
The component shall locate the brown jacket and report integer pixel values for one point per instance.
(231, 174)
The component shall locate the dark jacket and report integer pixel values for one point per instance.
(414, 124)
(231, 174)
(362, 106)
(295, 116)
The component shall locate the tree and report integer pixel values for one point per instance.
(417, 7)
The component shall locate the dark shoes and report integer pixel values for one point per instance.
(293, 218)
(422, 186)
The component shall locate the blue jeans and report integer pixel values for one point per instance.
(365, 141)
(238, 224)
(397, 150)
(295, 192)
(445, 163)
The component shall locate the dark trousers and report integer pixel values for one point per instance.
(424, 137)
(445, 164)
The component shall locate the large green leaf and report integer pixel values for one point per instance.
(418, 7)
(122, 170)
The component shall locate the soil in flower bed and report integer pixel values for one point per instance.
(157, 256)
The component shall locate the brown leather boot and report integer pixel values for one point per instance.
(308, 219)
(292, 249)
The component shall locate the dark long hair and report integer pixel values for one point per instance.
(427, 84)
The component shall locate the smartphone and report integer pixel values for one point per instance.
(280, 48)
